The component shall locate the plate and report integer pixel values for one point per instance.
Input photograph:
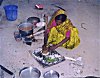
(47, 60)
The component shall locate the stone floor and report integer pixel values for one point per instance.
(84, 14)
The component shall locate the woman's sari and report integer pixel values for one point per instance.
(58, 33)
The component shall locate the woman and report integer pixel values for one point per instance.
(60, 32)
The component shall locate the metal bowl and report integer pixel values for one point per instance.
(29, 72)
(51, 74)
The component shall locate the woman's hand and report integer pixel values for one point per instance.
(48, 49)
(51, 48)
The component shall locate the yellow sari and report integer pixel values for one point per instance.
(58, 33)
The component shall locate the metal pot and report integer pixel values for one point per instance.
(33, 20)
(51, 74)
(29, 72)
(25, 29)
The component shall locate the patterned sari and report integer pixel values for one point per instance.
(58, 33)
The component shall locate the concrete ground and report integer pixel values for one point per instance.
(84, 14)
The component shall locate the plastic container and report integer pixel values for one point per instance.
(11, 12)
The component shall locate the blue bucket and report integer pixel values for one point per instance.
(11, 12)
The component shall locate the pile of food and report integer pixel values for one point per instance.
(51, 59)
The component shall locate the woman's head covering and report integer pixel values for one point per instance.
(58, 12)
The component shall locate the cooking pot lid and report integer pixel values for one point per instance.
(29, 72)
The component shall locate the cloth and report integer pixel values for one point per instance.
(59, 32)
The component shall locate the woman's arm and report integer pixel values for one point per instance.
(59, 44)
(62, 42)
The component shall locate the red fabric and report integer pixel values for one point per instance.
(51, 26)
